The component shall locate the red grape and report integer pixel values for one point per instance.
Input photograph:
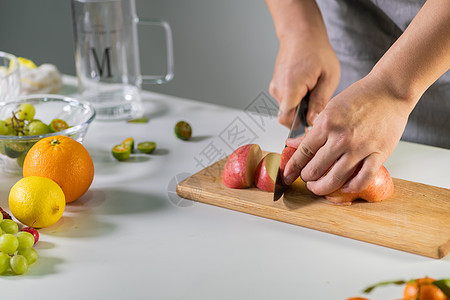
(5, 214)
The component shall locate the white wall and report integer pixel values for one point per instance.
(224, 50)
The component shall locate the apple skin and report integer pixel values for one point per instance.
(239, 170)
(266, 172)
(381, 188)
(286, 154)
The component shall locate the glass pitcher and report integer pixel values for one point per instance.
(107, 56)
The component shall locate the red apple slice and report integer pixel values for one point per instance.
(266, 172)
(286, 154)
(239, 170)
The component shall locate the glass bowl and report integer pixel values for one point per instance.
(77, 114)
(9, 77)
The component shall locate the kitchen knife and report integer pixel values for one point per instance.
(297, 129)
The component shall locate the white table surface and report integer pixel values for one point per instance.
(127, 239)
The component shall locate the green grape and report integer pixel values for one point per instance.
(8, 243)
(1, 218)
(19, 264)
(25, 239)
(4, 128)
(15, 122)
(4, 262)
(26, 111)
(36, 128)
(11, 130)
(30, 254)
(9, 226)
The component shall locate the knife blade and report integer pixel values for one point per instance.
(297, 129)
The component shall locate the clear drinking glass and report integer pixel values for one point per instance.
(107, 56)
(9, 77)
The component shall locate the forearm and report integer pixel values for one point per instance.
(306, 62)
(420, 55)
(296, 19)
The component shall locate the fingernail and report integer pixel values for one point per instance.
(307, 186)
(289, 179)
(346, 189)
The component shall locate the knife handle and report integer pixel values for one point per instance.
(299, 124)
(304, 109)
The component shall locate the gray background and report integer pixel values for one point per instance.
(224, 50)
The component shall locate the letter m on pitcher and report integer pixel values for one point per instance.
(105, 62)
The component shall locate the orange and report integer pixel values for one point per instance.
(63, 160)
(423, 288)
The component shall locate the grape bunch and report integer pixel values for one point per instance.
(16, 247)
(22, 122)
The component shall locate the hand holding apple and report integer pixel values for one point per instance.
(380, 189)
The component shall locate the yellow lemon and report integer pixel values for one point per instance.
(37, 201)
(22, 62)
(26, 62)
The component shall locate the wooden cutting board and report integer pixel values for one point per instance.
(416, 218)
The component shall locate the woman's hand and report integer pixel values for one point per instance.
(305, 62)
(350, 140)
(302, 66)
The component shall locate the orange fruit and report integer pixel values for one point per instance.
(63, 160)
(423, 288)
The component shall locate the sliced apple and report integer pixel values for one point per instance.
(380, 189)
(266, 172)
(239, 170)
(286, 154)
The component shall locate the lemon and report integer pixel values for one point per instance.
(37, 201)
(26, 62)
(22, 62)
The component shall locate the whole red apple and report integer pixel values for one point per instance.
(380, 189)
(239, 170)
